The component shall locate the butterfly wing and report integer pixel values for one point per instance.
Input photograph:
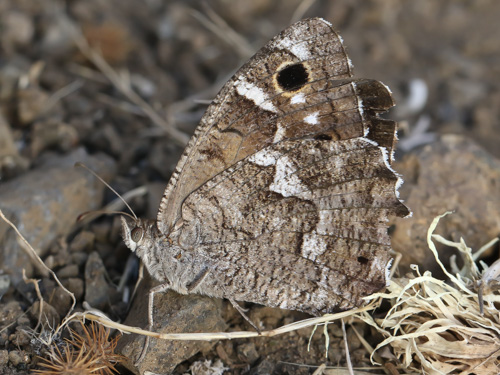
(286, 187)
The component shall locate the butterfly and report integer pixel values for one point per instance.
(283, 194)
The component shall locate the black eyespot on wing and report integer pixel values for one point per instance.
(136, 234)
(363, 260)
(293, 77)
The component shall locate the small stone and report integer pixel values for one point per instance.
(263, 368)
(50, 261)
(111, 38)
(10, 311)
(4, 338)
(105, 137)
(32, 102)
(17, 29)
(82, 242)
(61, 301)
(353, 339)
(336, 330)
(79, 258)
(21, 337)
(4, 358)
(52, 134)
(61, 257)
(68, 271)
(96, 285)
(47, 286)
(206, 367)
(247, 352)
(17, 357)
(4, 284)
(23, 320)
(49, 316)
(11, 162)
(75, 286)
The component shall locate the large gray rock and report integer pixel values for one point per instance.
(451, 174)
(173, 313)
(45, 203)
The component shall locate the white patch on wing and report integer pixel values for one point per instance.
(301, 51)
(286, 182)
(298, 49)
(264, 157)
(387, 158)
(298, 98)
(255, 94)
(280, 133)
(368, 140)
(313, 246)
(325, 222)
(360, 102)
(320, 296)
(360, 108)
(349, 63)
(312, 118)
(387, 87)
(325, 21)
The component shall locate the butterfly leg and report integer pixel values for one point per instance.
(157, 289)
(201, 277)
(241, 310)
(197, 280)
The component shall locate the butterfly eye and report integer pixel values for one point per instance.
(136, 234)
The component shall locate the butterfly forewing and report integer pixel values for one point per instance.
(244, 116)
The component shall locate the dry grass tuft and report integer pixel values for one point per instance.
(89, 353)
(442, 327)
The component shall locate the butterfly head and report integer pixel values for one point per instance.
(165, 261)
(137, 234)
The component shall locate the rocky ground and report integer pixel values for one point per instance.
(129, 118)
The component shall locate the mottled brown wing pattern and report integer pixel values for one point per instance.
(285, 190)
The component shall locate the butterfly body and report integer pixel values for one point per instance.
(282, 196)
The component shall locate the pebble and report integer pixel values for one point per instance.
(96, 285)
(82, 242)
(247, 352)
(61, 301)
(4, 358)
(70, 270)
(49, 316)
(75, 286)
(79, 258)
(17, 357)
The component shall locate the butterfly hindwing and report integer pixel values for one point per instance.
(309, 215)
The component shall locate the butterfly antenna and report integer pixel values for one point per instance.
(84, 215)
(79, 164)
